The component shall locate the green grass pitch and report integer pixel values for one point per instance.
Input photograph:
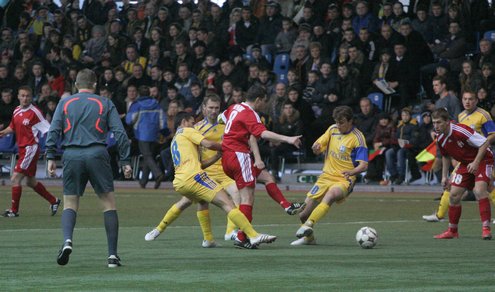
(407, 258)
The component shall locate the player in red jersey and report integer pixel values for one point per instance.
(26, 123)
(473, 171)
(242, 127)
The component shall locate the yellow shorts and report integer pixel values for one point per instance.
(219, 176)
(199, 187)
(326, 182)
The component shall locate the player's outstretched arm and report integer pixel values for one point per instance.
(294, 140)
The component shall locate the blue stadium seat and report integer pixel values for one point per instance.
(489, 35)
(377, 99)
(281, 67)
(42, 143)
(8, 148)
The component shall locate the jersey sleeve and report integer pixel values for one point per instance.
(361, 148)
(42, 125)
(488, 128)
(115, 126)
(324, 139)
(193, 135)
(55, 131)
(254, 124)
(476, 140)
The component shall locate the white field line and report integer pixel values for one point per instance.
(256, 225)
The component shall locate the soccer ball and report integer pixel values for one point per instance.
(367, 237)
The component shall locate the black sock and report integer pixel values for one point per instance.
(112, 229)
(68, 223)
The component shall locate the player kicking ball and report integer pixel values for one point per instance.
(346, 155)
(242, 127)
(192, 182)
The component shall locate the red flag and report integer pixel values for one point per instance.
(372, 155)
(428, 166)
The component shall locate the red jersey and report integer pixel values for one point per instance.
(462, 143)
(241, 121)
(27, 123)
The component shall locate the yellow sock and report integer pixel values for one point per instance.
(205, 223)
(443, 207)
(240, 220)
(230, 225)
(172, 214)
(492, 196)
(319, 212)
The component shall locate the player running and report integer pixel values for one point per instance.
(26, 123)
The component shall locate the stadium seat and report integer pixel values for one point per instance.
(383, 102)
(298, 155)
(489, 35)
(281, 67)
(8, 148)
(377, 99)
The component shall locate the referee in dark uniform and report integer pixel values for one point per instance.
(81, 122)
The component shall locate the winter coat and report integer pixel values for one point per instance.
(147, 118)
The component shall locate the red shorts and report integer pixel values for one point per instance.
(463, 179)
(239, 167)
(28, 158)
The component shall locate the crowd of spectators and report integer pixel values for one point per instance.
(340, 51)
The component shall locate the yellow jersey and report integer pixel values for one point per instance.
(185, 155)
(479, 120)
(212, 132)
(343, 151)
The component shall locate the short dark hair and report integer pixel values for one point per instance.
(343, 112)
(144, 90)
(255, 92)
(26, 88)
(180, 117)
(441, 79)
(440, 113)
(213, 97)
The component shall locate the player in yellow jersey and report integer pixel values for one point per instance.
(346, 155)
(480, 121)
(192, 182)
(211, 130)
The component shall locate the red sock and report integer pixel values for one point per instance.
(485, 211)
(275, 193)
(454, 216)
(16, 198)
(40, 189)
(247, 210)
